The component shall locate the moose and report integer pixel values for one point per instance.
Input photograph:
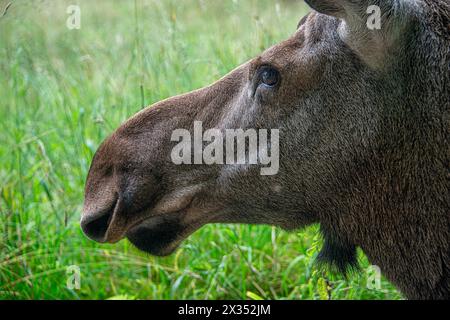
(363, 120)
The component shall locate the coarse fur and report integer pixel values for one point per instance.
(364, 124)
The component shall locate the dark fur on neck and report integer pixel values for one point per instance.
(337, 254)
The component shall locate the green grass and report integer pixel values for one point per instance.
(63, 91)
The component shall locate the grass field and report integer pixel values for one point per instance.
(63, 91)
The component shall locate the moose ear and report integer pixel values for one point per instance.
(371, 30)
(328, 7)
(347, 9)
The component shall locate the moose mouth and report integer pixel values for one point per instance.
(159, 236)
(157, 229)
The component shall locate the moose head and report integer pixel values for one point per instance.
(355, 120)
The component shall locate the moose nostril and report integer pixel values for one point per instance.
(96, 228)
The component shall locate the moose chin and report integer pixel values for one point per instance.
(363, 120)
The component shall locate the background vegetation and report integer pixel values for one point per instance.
(63, 91)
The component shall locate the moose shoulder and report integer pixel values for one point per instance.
(363, 121)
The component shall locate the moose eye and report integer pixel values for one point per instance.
(269, 76)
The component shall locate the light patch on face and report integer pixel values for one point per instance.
(177, 200)
(229, 171)
(152, 223)
(277, 188)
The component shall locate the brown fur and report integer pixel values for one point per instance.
(364, 127)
